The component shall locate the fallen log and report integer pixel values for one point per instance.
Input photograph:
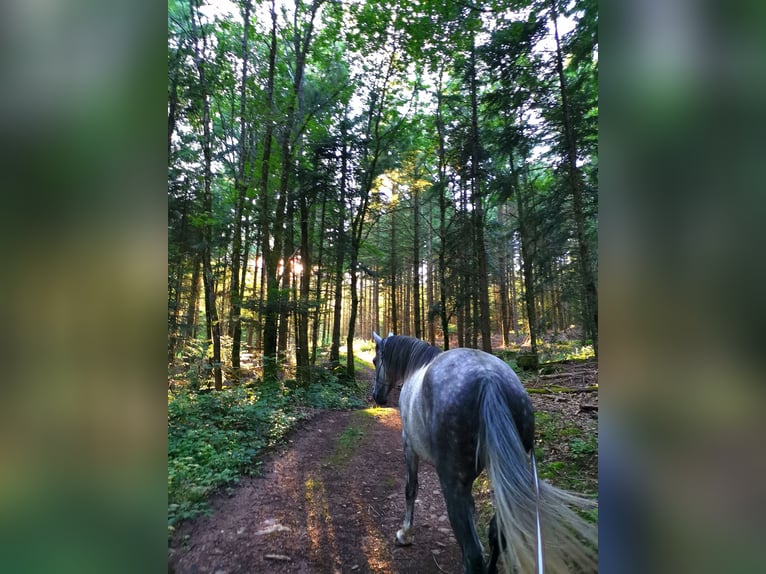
(569, 375)
(552, 390)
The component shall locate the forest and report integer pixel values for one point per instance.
(336, 168)
(425, 168)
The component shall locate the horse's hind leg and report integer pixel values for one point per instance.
(460, 508)
(497, 544)
(404, 536)
(494, 546)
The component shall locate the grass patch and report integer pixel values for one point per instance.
(373, 412)
(346, 446)
(359, 363)
(347, 443)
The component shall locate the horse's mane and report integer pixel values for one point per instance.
(404, 355)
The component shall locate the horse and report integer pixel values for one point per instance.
(464, 411)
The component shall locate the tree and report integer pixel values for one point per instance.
(590, 305)
(211, 311)
(287, 124)
(242, 185)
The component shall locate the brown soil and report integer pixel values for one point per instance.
(329, 501)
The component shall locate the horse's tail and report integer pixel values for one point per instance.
(569, 542)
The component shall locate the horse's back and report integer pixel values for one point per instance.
(454, 384)
(455, 376)
(451, 387)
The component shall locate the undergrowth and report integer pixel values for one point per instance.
(216, 437)
(565, 351)
(566, 454)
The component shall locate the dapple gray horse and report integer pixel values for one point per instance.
(464, 411)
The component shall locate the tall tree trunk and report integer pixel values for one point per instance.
(416, 259)
(302, 308)
(270, 254)
(353, 266)
(472, 307)
(478, 211)
(172, 110)
(301, 45)
(241, 185)
(465, 283)
(375, 302)
(255, 327)
(430, 281)
(505, 326)
(340, 249)
(541, 299)
(220, 286)
(514, 300)
(245, 259)
(175, 283)
(371, 159)
(175, 280)
(211, 316)
(526, 259)
(211, 312)
(406, 302)
(442, 183)
(395, 327)
(193, 304)
(505, 306)
(288, 245)
(590, 295)
(461, 319)
(318, 290)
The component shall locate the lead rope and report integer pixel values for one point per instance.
(540, 569)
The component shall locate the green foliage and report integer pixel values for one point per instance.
(216, 437)
(197, 368)
(566, 454)
(364, 345)
(331, 393)
(584, 448)
(565, 351)
(212, 438)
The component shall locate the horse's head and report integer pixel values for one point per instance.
(382, 384)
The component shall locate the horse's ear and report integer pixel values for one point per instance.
(390, 334)
(376, 338)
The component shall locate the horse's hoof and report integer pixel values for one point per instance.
(404, 538)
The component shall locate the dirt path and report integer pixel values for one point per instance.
(330, 501)
(332, 498)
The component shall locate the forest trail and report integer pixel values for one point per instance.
(331, 499)
(328, 501)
